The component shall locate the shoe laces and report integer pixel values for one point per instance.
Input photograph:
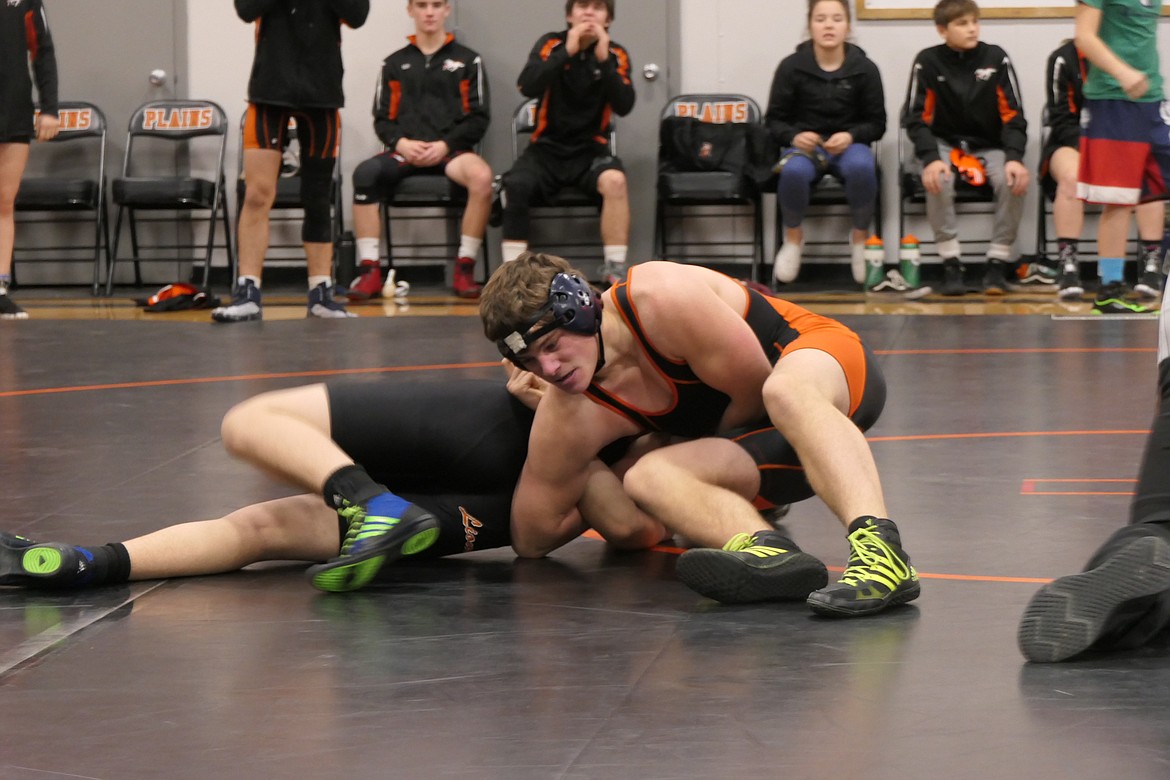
(746, 543)
(355, 516)
(873, 559)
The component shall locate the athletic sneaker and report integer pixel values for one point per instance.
(245, 305)
(321, 304)
(1111, 299)
(994, 281)
(1035, 276)
(9, 310)
(463, 278)
(1069, 280)
(953, 283)
(764, 566)
(879, 574)
(894, 282)
(26, 563)
(1150, 279)
(368, 284)
(1068, 615)
(378, 533)
(613, 273)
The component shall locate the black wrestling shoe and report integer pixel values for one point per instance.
(379, 532)
(26, 563)
(879, 574)
(764, 566)
(953, 283)
(1068, 615)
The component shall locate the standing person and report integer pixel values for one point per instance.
(581, 78)
(430, 111)
(1125, 148)
(964, 116)
(825, 108)
(24, 38)
(772, 398)
(1060, 161)
(296, 77)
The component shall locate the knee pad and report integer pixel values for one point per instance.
(316, 186)
(366, 182)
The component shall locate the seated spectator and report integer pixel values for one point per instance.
(581, 78)
(825, 109)
(964, 117)
(430, 112)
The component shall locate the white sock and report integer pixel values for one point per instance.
(614, 254)
(255, 280)
(368, 248)
(469, 246)
(316, 280)
(510, 250)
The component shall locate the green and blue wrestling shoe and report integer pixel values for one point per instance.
(385, 529)
(879, 574)
(26, 563)
(764, 566)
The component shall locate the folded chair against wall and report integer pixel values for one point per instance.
(71, 187)
(165, 141)
(709, 150)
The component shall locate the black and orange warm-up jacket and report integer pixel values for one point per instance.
(964, 97)
(579, 96)
(24, 37)
(443, 97)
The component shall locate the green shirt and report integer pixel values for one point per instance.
(1129, 28)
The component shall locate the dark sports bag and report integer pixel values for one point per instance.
(687, 145)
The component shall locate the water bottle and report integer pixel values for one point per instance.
(910, 261)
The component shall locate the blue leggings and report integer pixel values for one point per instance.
(854, 167)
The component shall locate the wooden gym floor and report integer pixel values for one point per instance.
(1007, 450)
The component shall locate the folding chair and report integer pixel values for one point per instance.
(78, 196)
(428, 191)
(288, 208)
(569, 204)
(718, 194)
(149, 181)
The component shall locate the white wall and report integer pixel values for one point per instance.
(735, 45)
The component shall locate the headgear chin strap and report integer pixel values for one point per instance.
(574, 306)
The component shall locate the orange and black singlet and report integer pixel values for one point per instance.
(697, 409)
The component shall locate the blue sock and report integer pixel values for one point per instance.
(1111, 269)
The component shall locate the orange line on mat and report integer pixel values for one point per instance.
(591, 534)
(1002, 434)
(1007, 351)
(245, 378)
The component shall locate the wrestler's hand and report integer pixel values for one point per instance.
(47, 127)
(1134, 82)
(838, 142)
(579, 37)
(411, 150)
(433, 154)
(934, 175)
(526, 386)
(807, 141)
(1017, 177)
(601, 50)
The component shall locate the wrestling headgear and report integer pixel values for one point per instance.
(574, 305)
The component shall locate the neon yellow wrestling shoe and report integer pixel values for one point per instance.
(764, 566)
(385, 529)
(879, 574)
